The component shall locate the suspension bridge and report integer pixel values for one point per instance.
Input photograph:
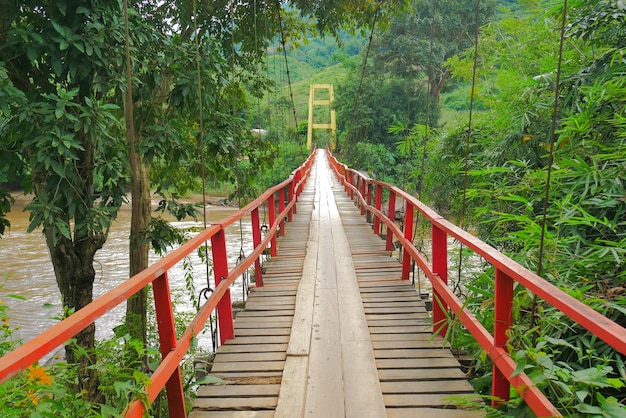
(334, 326)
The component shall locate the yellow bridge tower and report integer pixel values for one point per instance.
(325, 102)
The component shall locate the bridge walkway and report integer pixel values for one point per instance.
(334, 332)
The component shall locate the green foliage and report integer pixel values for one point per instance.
(6, 331)
(289, 155)
(578, 390)
(374, 159)
(48, 390)
(321, 52)
(402, 78)
(584, 243)
(67, 111)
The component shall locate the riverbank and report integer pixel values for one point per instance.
(21, 199)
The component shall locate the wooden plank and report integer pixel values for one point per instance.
(273, 322)
(413, 353)
(432, 386)
(388, 293)
(425, 321)
(379, 298)
(399, 303)
(427, 341)
(412, 316)
(268, 306)
(374, 251)
(251, 348)
(231, 414)
(379, 273)
(400, 337)
(277, 299)
(268, 291)
(417, 363)
(414, 329)
(429, 400)
(325, 394)
(361, 384)
(292, 395)
(217, 404)
(252, 356)
(432, 413)
(395, 290)
(260, 340)
(265, 313)
(247, 366)
(248, 332)
(388, 266)
(300, 340)
(392, 310)
(392, 285)
(250, 378)
(221, 391)
(420, 374)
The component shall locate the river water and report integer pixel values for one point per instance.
(28, 286)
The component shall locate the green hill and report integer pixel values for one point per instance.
(306, 67)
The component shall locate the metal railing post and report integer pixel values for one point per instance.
(503, 319)
(378, 204)
(220, 270)
(391, 214)
(167, 342)
(293, 195)
(363, 190)
(256, 241)
(281, 207)
(271, 209)
(440, 267)
(351, 181)
(369, 201)
(408, 235)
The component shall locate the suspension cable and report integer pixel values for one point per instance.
(282, 39)
(546, 199)
(420, 178)
(363, 69)
(264, 226)
(386, 167)
(204, 293)
(258, 90)
(238, 190)
(468, 141)
(201, 140)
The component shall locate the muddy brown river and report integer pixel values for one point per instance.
(26, 271)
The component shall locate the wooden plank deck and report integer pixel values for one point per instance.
(334, 332)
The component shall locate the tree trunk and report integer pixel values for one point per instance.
(136, 305)
(75, 275)
(437, 83)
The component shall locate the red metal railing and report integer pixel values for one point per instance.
(507, 272)
(168, 373)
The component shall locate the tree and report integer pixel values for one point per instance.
(419, 43)
(61, 130)
(165, 107)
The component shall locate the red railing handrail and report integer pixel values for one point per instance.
(507, 270)
(172, 352)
